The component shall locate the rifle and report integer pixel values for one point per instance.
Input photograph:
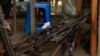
(6, 40)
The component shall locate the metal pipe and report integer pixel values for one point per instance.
(20, 43)
(58, 48)
(24, 50)
(68, 33)
(14, 16)
(7, 43)
(6, 40)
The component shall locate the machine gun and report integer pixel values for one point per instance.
(5, 38)
(64, 33)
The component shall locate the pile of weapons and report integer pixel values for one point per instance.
(63, 34)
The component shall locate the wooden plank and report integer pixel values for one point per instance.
(57, 50)
(98, 54)
(93, 41)
(78, 10)
(78, 39)
(1, 49)
(32, 11)
(14, 16)
(79, 6)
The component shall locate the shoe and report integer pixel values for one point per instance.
(46, 25)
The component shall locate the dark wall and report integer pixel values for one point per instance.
(6, 7)
(2, 2)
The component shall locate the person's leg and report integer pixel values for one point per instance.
(6, 8)
(2, 2)
(79, 6)
(56, 6)
(68, 10)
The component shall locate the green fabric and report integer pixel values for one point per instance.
(68, 9)
(21, 4)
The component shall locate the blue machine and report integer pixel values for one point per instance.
(46, 15)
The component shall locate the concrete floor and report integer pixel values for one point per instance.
(79, 51)
(50, 48)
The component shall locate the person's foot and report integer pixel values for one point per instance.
(6, 25)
